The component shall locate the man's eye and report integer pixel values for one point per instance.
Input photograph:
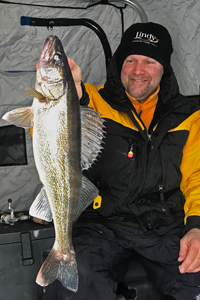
(150, 62)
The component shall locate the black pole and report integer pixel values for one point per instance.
(50, 23)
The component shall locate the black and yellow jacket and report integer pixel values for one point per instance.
(148, 180)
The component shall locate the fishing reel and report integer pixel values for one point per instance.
(11, 218)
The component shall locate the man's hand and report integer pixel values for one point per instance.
(189, 253)
(76, 73)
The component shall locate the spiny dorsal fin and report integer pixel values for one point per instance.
(92, 134)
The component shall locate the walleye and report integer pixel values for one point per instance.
(66, 139)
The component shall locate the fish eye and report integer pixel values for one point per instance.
(57, 57)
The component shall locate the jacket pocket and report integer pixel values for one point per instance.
(151, 215)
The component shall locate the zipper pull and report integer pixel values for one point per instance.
(148, 142)
(130, 153)
(161, 191)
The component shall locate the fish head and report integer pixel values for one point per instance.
(52, 68)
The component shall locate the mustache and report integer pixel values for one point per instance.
(142, 78)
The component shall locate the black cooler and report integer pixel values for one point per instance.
(22, 247)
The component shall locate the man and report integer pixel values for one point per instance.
(147, 176)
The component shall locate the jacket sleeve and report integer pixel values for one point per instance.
(94, 98)
(85, 97)
(190, 169)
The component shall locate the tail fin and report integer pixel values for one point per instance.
(61, 267)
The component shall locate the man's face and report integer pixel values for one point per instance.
(140, 76)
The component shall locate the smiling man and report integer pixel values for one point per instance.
(147, 175)
(141, 76)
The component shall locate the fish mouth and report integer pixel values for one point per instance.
(48, 48)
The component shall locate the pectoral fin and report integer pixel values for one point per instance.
(35, 94)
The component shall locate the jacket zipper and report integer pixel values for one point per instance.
(161, 186)
(148, 142)
(161, 192)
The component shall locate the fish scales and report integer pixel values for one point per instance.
(63, 178)
(58, 144)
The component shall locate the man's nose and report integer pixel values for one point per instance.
(138, 68)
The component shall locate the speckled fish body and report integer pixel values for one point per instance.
(56, 144)
(55, 114)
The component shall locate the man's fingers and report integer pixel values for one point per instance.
(195, 265)
(76, 74)
(37, 65)
(70, 62)
(183, 250)
(192, 259)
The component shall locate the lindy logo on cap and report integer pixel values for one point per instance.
(147, 37)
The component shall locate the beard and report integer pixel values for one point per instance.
(141, 94)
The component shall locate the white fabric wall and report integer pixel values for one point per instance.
(20, 48)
